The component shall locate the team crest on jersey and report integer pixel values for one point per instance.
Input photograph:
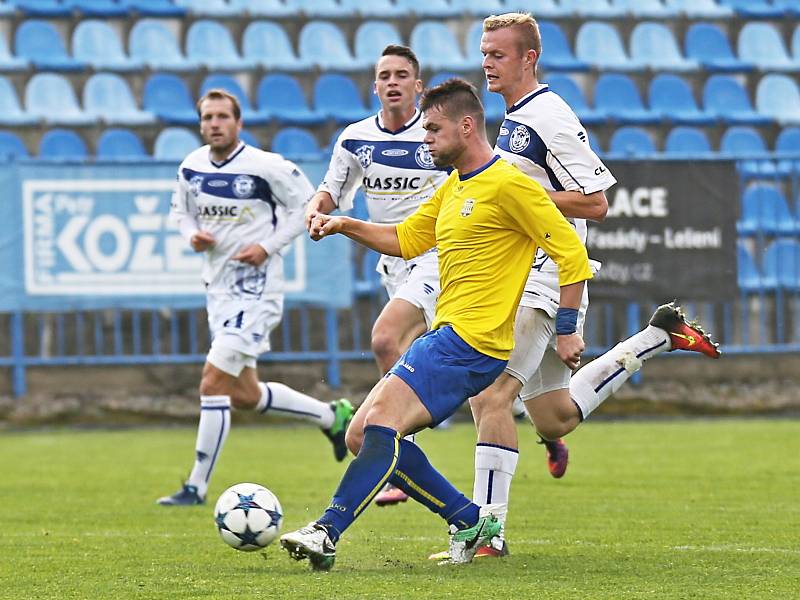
(423, 157)
(196, 185)
(466, 208)
(244, 186)
(520, 138)
(364, 155)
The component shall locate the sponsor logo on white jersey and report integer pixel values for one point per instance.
(364, 155)
(520, 138)
(244, 186)
(423, 157)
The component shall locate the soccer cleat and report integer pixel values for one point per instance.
(557, 456)
(390, 496)
(464, 543)
(186, 496)
(683, 335)
(342, 415)
(311, 542)
(496, 548)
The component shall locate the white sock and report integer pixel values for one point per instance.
(212, 431)
(494, 469)
(285, 401)
(599, 379)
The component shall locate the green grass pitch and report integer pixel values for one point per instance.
(675, 509)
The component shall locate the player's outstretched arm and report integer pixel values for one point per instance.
(380, 237)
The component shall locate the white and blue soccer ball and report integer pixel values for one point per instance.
(248, 516)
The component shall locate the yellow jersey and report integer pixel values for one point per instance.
(487, 225)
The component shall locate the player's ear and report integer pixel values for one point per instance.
(418, 87)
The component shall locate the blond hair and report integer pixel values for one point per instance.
(220, 94)
(526, 26)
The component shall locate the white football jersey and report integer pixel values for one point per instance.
(544, 138)
(252, 197)
(394, 167)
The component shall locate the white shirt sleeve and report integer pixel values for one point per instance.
(182, 208)
(292, 190)
(344, 176)
(576, 165)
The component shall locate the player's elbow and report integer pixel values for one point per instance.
(597, 206)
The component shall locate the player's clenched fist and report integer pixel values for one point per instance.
(322, 225)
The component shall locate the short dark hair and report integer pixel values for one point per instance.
(456, 98)
(220, 94)
(405, 52)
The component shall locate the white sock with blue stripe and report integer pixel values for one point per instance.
(599, 379)
(282, 400)
(494, 468)
(212, 431)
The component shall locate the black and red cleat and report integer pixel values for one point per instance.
(683, 335)
(557, 456)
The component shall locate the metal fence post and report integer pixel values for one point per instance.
(18, 381)
(332, 337)
(634, 315)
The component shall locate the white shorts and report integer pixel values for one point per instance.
(416, 281)
(240, 330)
(534, 360)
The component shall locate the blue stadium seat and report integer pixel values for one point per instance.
(154, 8)
(62, 144)
(334, 138)
(174, 143)
(796, 44)
(11, 147)
(707, 44)
(671, 97)
(41, 44)
(372, 37)
(249, 138)
(754, 9)
(210, 44)
(427, 9)
(120, 144)
(778, 96)
(439, 78)
(572, 95)
(541, 9)
(43, 8)
(788, 141)
(11, 114)
(725, 98)
(108, 98)
(700, 9)
(762, 45)
(472, 45)
(151, 42)
(282, 98)
(647, 9)
(98, 8)
(9, 62)
(616, 96)
(557, 54)
(436, 47)
(594, 143)
(493, 105)
(601, 9)
(96, 43)
(324, 45)
(167, 97)
(50, 96)
(742, 142)
(314, 9)
(381, 9)
(264, 8)
(683, 142)
(478, 8)
(748, 276)
(268, 44)
(337, 97)
(250, 116)
(296, 144)
(790, 8)
(599, 45)
(782, 265)
(653, 44)
(631, 141)
(209, 8)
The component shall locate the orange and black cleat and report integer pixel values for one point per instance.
(683, 335)
(557, 456)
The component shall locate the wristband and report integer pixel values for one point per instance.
(566, 321)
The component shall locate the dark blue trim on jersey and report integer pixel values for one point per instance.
(479, 170)
(524, 101)
(488, 445)
(535, 150)
(221, 185)
(219, 165)
(402, 129)
(398, 154)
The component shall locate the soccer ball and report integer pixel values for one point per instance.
(248, 516)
